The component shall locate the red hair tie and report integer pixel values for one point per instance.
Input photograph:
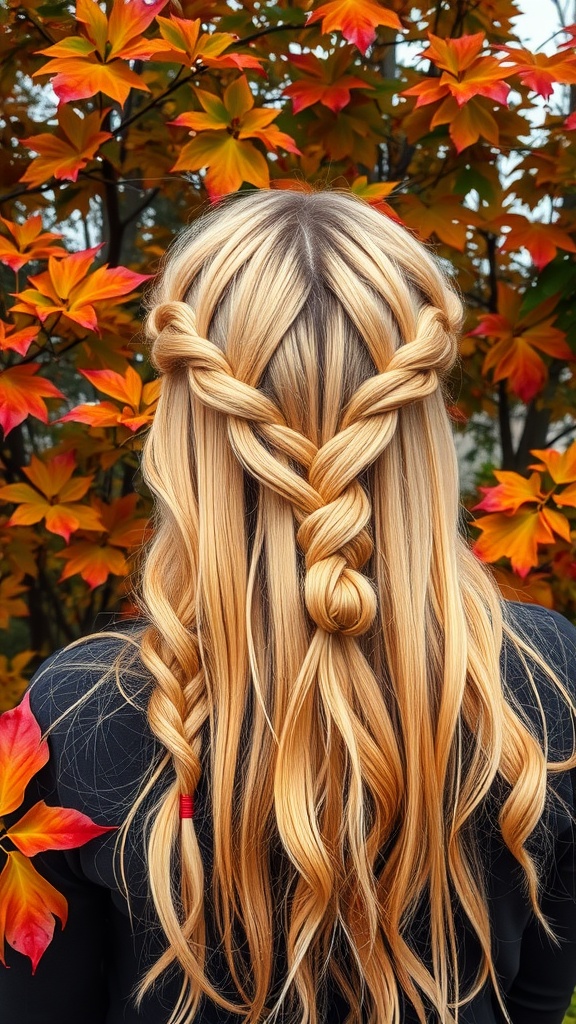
(186, 806)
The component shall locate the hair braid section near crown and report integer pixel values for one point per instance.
(331, 507)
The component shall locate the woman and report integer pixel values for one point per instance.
(342, 766)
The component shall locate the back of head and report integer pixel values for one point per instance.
(313, 610)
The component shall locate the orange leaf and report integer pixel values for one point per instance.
(324, 81)
(541, 240)
(67, 288)
(560, 465)
(557, 522)
(93, 562)
(125, 388)
(95, 414)
(467, 123)
(513, 355)
(89, 63)
(222, 147)
(512, 491)
(51, 476)
(11, 604)
(515, 536)
(128, 20)
(28, 907)
(28, 242)
(567, 496)
(186, 44)
(22, 754)
(533, 589)
(55, 499)
(78, 78)
(540, 71)
(355, 19)
(53, 828)
(445, 217)
(465, 73)
(229, 161)
(13, 340)
(64, 154)
(22, 394)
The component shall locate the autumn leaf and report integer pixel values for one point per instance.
(465, 74)
(97, 59)
(375, 194)
(53, 828)
(446, 218)
(542, 241)
(185, 43)
(540, 71)
(23, 752)
(517, 340)
(17, 340)
(64, 154)
(68, 288)
(94, 562)
(512, 491)
(323, 80)
(224, 126)
(11, 603)
(138, 400)
(466, 79)
(517, 535)
(355, 19)
(12, 679)
(27, 242)
(22, 394)
(560, 465)
(532, 589)
(28, 903)
(54, 497)
(28, 908)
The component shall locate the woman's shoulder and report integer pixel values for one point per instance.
(548, 627)
(548, 633)
(540, 673)
(90, 698)
(92, 675)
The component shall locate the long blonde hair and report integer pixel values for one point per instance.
(311, 604)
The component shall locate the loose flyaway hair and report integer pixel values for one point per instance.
(311, 607)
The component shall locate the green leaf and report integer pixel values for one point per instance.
(558, 276)
(470, 178)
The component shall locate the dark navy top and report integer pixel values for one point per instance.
(98, 755)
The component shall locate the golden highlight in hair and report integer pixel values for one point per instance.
(312, 607)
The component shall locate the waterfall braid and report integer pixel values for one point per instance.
(311, 604)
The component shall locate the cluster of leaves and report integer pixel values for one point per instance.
(29, 903)
(121, 120)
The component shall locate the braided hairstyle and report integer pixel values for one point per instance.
(312, 609)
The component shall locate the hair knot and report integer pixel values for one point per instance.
(336, 545)
(339, 598)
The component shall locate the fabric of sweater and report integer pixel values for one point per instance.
(101, 750)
